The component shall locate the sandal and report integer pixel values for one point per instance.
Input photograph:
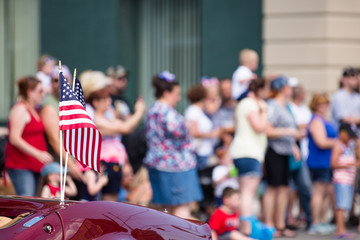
(346, 235)
(284, 233)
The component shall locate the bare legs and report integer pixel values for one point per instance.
(340, 221)
(248, 187)
(183, 211)
(322, 196)
(275, 202)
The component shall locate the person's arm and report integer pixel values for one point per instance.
(318, 133)
(357, 164)
(92, 185)
(50, 117)
(296, 152)
(214, 235)
(273, 132)
(335, 155)
(117, 126)
(193, 128)
(258, 120)
(45, 192)
(18, 118)
(70, 189)
(277, 132)
(351, 120)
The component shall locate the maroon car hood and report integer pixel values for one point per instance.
(100, 220)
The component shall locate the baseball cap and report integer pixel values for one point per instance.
(349, 72)
(349, 128)
(117, 71)
(278, 83)
(53, 167)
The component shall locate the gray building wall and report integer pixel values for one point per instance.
(91, 34)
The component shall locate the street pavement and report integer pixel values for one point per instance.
(302, 234)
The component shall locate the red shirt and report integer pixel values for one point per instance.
(33, 134)
(53, 190)
(222, 222)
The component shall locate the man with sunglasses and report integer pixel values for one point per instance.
(119, 77)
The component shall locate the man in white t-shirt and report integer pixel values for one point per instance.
(244, 73)
(302, 116)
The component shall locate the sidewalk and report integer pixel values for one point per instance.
(301, 234)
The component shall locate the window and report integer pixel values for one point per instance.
(169, 40)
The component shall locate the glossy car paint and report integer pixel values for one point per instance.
(49, 219)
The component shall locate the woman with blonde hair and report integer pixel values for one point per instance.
(322, 136)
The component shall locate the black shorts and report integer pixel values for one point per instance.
(277, 168)
(114, 173)
(323, 175)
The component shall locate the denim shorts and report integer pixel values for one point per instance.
(344, 196)
(323, 175)
(248, 167)
(175, 188)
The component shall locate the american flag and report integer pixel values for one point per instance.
(81, 137)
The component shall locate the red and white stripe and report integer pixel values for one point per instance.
(81, 137)
(345, 175)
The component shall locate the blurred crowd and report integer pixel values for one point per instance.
(248, 155)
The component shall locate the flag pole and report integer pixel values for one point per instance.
(67, 154)
(61, 149)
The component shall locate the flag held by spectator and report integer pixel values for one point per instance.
(81, 137)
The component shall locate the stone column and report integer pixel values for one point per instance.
(19, 46)
(311, 40)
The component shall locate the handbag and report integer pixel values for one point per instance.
(293, 164)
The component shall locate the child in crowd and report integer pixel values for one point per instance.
(243, 75)
(344, 161)
(94, 182)
(136, 190)
(224, 222)
(45, 65)
(225, 174)
(51, 179)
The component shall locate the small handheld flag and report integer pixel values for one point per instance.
(81, 137)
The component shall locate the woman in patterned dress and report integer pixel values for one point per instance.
(170, 157)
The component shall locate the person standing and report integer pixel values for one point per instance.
(170, 157)
(345, 103)
(249, 146)
(299, 172)
(200, 126)
(282, 134)
(26, 151)
(344, 162)
(322, 136)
